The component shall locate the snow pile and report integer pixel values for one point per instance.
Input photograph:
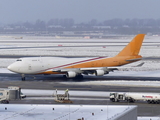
(117, 83)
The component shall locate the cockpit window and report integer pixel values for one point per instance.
(19, 60)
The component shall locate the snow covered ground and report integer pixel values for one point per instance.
(118, 83)
(33, 45)
(148, 118)
(106, 47)
(63, 112)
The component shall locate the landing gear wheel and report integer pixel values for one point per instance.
(23, 78)
(113, 100)
(64, 76)
(79, 76)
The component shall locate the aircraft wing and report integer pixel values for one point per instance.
(87, 71)
(127, 68)
(98, 71)
(95, 70)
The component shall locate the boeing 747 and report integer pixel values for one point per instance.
(77, 67)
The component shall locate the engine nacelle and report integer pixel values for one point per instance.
(99, 72)
(71, 74)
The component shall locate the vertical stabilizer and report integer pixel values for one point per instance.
(133, 48)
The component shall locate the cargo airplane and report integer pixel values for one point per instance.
(77, 67)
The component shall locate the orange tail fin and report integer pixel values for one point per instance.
(133, 48)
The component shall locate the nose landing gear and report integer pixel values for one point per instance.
(23, 77)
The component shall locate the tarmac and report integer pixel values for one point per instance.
(57, 82)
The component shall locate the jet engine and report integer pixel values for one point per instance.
(99, 72)
(71, 74)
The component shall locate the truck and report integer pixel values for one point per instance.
(10, 93)
(19, 93)
(151, 98)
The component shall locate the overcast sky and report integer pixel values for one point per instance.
(12, 11)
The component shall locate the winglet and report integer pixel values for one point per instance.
(133, 48)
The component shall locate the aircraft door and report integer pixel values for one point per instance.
(41, 63)
(29, 67)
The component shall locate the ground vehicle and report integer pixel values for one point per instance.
(22, 95)
(132, 97)
(10, 93)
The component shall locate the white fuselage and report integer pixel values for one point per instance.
(36, 65)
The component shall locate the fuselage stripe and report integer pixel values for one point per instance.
(78, 62)
(75, 63)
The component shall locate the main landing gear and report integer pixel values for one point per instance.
(79, 76)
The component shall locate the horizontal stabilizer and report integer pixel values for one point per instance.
(134, 59)
(139, 65)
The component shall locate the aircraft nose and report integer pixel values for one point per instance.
(12, 68)
(9, 67)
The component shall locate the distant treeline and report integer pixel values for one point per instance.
(113, 26)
